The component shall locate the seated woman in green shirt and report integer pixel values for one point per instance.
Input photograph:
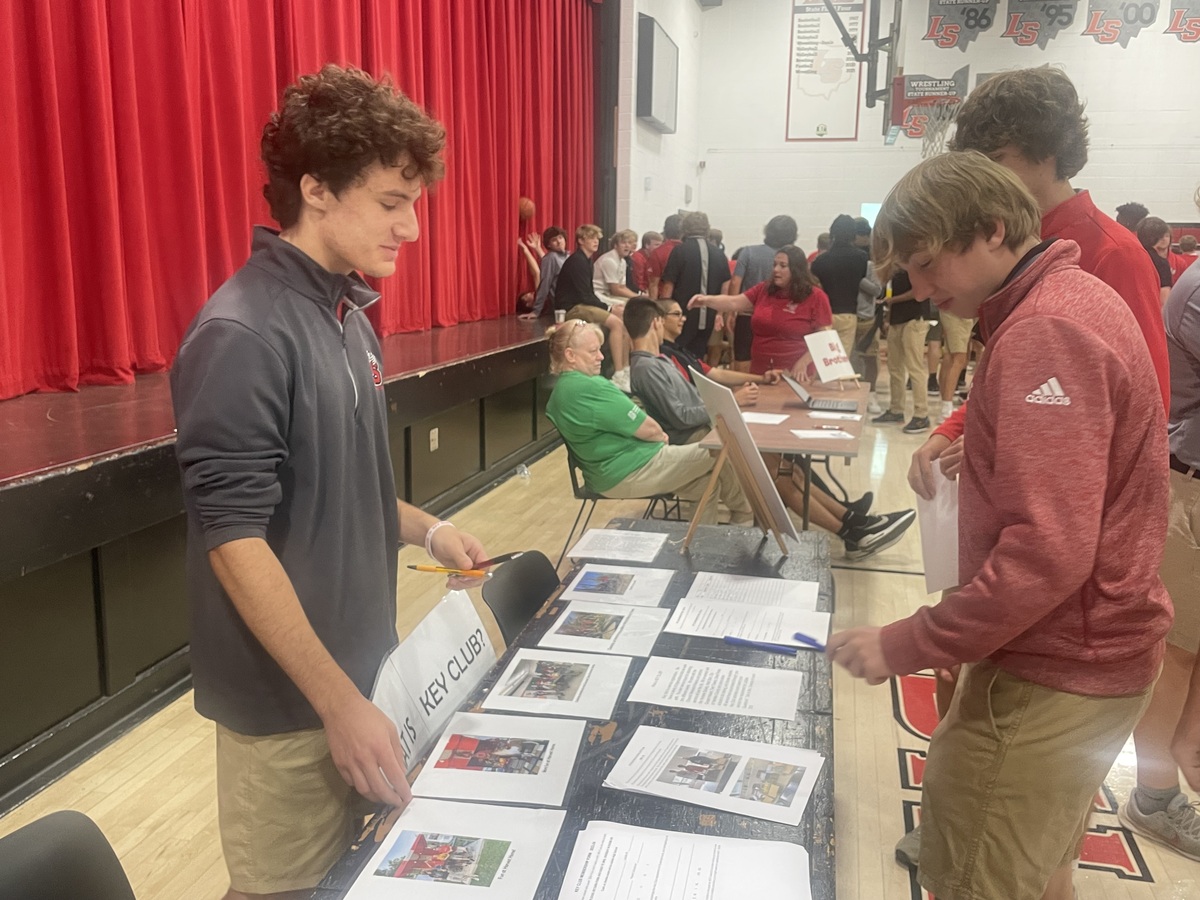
(622, 451)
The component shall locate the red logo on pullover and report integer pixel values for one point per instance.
(376, 374)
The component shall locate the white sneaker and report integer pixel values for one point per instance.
(873, 406)
(621, 380)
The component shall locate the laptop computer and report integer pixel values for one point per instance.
(824, 405)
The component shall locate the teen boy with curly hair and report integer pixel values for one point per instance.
(293, 521)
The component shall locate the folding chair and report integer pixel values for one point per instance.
(668, 503)
(518, 589)
(61, 855)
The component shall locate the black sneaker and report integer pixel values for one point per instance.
(877, 533)
(933, 390)
(888, 418)
(862, 506)
(916, 426)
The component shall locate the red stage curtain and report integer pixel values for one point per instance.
(132, 174)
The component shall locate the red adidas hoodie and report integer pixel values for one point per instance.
(1062, 495)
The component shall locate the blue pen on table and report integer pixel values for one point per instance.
(760, 645)
(808, 641)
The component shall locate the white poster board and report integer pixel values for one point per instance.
(829, 356)
(719, 401)
(428, 676)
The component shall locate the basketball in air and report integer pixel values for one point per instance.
(526, 209)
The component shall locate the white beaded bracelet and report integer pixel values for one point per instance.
(429, 537)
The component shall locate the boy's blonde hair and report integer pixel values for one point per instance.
(948, 201)
(626, 234)
(583, 232)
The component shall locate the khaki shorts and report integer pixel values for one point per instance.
(284, 812)
(1181, 561)
(684, 470)
(1009, 781)
(956, 332)
(593, 314)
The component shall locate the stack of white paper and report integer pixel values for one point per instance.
(753, 589)
(585, 685)
(631, 585)
(819, 434)
(766, 781)
(719, 687)
(938, 520)
(770, 624)
(514, 759)
(438, 849)
(606, 628)
(628, 546)
(758, 418)
(624, 862)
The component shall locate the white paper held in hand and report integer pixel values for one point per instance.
(938, 520)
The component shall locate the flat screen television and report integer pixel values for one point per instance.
(657, 76)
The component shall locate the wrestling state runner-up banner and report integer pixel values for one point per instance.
(1035, 22)
(1185, 20)
(956, 23)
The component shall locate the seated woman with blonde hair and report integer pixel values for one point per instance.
(622, 451)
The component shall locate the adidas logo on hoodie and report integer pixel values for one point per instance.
(1049, 394)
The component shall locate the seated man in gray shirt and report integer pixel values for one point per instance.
(670, 400)
(673, 402)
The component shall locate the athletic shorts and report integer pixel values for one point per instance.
(956, 332)
(743, 338)
(593, 314)
(284, 813)
(860, 331)
(1009, 782)
(1181, 561)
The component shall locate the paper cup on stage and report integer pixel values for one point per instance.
(560, 316)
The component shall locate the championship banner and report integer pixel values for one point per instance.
(955, 23)
(1036, 22)
(823, 78)
(427, 677)
(1119, 21)
(1185, 20)
(923, 87)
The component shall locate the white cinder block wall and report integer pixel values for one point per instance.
(1145, 120)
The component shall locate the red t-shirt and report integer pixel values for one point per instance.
(779, 326)
(639, 260)
(1179, 264)
(1111, 253)
(658, 259)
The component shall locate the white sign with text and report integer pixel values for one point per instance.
(829, 356)
(427, 677)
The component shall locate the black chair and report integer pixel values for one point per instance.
(61, 855)
(518, 589)
(667, 503)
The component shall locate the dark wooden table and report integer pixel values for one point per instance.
(715, 549)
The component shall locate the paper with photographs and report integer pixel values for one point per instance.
(606, 628)
(550, 682)
(508, 759)
(719, 687)
(772, 624)
(439, 849)
(630, 585)
(625, 862)
(766, 781)
(753, 589)
(612, 543)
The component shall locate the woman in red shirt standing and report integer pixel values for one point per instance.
(783, 310)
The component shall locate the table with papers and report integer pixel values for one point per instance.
(589, 805)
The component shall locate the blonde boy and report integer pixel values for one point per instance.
(1063, 495)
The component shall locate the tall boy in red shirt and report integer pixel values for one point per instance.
(1062, 614)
